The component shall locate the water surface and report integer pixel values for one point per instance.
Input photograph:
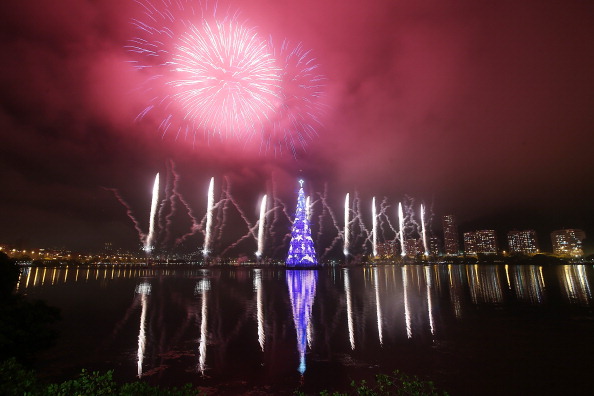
(472, 329)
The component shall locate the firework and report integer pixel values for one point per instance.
(209, 210)
(401, 226)
(374, 227)
(424, 231)
(148, 246)
(297, 118)
(261, 227)
(346, 226)
(210, 73)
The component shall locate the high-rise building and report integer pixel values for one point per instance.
(414, 247)
(483, 241)
(568, 242)
(434, 246)
(387, 250)
(524, 242)
(450, 235)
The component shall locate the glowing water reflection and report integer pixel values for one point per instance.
(144, 290)
(576, 285)
(202, 288)
(302, 292)
(347, 290)
(259, 310)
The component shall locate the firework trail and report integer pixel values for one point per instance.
(261, 227)
(374, 227)
(196, 225)
(141, 234)
(383, 216)
(212, 73)
(363, 234)
(401, 226)
(149, 244)
(347, 229)
(308, 206)
(327, 210)
(409, 216)
(166, 206)
(209, 210)
(423, 231)
(228, 199)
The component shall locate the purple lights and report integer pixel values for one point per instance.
(301, 250)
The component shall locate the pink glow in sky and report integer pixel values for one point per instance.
(484, 108)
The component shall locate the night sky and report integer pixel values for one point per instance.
(482, 109)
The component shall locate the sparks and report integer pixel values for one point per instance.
(148, 246)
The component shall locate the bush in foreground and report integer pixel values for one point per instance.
(15, 380)
(395, 384)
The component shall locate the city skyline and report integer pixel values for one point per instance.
(478, 110)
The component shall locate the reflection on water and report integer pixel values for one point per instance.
(576, 284)
(485, 283)
(218, 323)
(349, 306)
(529, 284)
(302, 292)
(144, 290)
(259, 309)
(378, 308)
(202, 288)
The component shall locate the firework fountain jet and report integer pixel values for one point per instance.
(209, 211)
(346, 226)
(374, 227)
(424, 231)
(261, 227)
(401, 226)
(148, 244)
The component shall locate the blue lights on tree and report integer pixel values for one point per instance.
(301, 249)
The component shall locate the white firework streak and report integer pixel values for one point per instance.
(261, 224)
(374, 227)
(148, 246)
(401, 225)
(346, 234)
(209, 210)
(363, 232)
(424, 231)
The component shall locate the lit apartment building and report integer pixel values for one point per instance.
(387, 250)
(568, 242)
(450, 235)
(524, 242)
(483, 241)
(413, 247)
(434, 246)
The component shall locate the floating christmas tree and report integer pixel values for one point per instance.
(301, 250)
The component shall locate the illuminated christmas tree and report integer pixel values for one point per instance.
(301, 250)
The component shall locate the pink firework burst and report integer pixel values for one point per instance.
(297, 118)
(217, 76)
